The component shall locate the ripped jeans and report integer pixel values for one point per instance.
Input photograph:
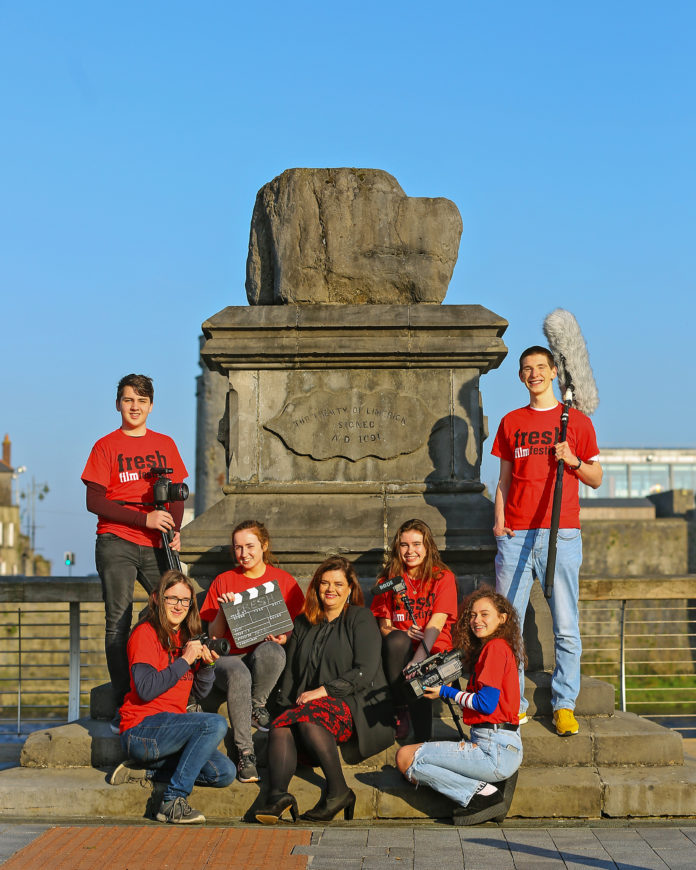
(457, 769)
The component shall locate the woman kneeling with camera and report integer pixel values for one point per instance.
(166, 665)
(332, 687)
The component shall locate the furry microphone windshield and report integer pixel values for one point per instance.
(570, 352)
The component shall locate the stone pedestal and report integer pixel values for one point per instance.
(341, 422)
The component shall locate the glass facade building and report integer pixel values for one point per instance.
(634, 472)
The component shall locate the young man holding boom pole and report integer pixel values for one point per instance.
(526, 444)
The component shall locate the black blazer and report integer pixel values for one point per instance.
(350, 669)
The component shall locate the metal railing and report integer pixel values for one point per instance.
(52, 650)
(640, 635)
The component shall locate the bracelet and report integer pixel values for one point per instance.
(577, 467)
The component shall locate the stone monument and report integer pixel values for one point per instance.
(351, 395)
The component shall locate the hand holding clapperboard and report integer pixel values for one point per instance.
(255, 613)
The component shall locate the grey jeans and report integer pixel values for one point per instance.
(120, 563)
(247, 680)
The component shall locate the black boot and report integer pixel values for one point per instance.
(507, 787)
(327, 808)
(277, 804)
(481, 808)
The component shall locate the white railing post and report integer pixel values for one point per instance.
(622, 664)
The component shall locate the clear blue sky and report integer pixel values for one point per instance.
(136, 135)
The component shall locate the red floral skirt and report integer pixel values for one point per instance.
(331, 713)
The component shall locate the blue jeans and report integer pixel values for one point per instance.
(458, 769)
(519, 560)
(119, 564)
(187, 744)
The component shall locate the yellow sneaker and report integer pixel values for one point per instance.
(565, 722)
(522, 718)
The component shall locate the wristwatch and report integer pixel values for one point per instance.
(577, 467)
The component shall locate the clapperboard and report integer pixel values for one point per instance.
(256, 613)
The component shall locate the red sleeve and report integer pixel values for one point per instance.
(292, 595)
(445, 600)
(144, 647)
(381, 606)
(493, 660)
(210, 606)
(97, 469)
(501, 447)
(587, 440)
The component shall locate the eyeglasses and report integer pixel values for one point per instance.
(172, 601)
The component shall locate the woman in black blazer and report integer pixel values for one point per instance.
(333, 688)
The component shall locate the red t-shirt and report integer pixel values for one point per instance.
(118, 462)
(145, 647)
(495, 667)
(235, 581)
(442, 598)
(525, 438)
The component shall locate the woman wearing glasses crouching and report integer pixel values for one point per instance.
(166, 666)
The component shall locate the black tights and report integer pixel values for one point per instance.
(318, 743)
(397, 652)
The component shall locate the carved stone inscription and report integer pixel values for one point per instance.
(353, 424)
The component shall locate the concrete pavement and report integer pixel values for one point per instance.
(658, 846)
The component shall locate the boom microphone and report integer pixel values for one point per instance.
(578, 387)
(572, 361)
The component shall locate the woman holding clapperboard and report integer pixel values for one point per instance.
(247, 676)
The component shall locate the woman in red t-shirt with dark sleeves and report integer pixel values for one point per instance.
(167, 665)
(431, 589)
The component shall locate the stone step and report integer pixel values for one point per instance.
(542, 792)
(621, 739)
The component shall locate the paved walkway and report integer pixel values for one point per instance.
(646, 846)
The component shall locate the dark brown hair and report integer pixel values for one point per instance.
(157, 612)
(538, 349)
(432, 566)
(313, 608)
(261, 533)
(470, 645)
(140, 383)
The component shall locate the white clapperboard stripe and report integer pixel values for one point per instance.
(257, 612)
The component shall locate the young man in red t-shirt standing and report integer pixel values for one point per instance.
(129, 537)
(527, 446)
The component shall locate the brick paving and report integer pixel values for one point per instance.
(349, 847)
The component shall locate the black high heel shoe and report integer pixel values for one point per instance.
(274, 809)
(327, 809)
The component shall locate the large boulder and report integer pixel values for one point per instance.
(349, 236)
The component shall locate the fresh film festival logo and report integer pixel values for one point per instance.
(325, 424)
(131, 467)
(534, 442)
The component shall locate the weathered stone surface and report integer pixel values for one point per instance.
(84, 743)
(352, 424)
(649, 791)
(349, 236)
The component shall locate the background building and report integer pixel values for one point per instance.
(635, 472)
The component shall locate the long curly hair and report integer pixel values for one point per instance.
(470, 645)
(157, 612)
(432, 566)
(313, 608)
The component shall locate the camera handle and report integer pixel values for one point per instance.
(448, 701)
(172, 556)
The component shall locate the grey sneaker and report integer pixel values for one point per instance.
(128, 771)
(260, 718)
(246, 769)
(178, 812)
(115, 724)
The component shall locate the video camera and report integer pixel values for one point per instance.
(437, 670)
(219, 645)
(163, 489)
